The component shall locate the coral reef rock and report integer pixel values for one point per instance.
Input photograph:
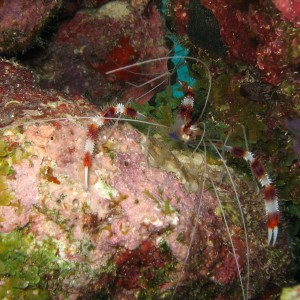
(251, 32)
(150, 224)
(21, 22)
(291, 293)
(97, 40)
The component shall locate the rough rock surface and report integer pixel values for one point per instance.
(251, 32)
(97, 40)
(21, 21)
(128, 236)
(290, 10)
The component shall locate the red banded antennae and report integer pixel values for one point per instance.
(187, 58)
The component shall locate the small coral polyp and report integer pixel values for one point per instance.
(154, 221)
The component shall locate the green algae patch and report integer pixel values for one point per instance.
(232, 212)
(10, 154)
(163, 204)
(24, 263)
(17, 155)
(162, 112)
(290, 293)
(4, 168)
(5, 198)
(34, 269)
(10, 290)
(3, 149)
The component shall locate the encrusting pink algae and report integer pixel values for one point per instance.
(149, 226)
(21, 23)
(157, 221)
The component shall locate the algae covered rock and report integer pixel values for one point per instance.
(150, 225)
(291, 293)
(22, 21)
(97, 40)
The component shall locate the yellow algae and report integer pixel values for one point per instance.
(116, 9)
(5, 198)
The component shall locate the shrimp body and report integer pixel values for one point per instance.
(187, 130)
(104, 215)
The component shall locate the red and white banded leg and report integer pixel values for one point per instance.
(185, 129)
(111, 113)
(270, 194)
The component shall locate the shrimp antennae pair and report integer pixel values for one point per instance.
(185, 123)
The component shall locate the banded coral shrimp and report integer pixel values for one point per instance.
(131, 232)
(186, 129)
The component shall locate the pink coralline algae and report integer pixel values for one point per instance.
(290, 10)
(255, 35)
(147, 227)
(252, 32)
(97, 40)
(22, 21)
